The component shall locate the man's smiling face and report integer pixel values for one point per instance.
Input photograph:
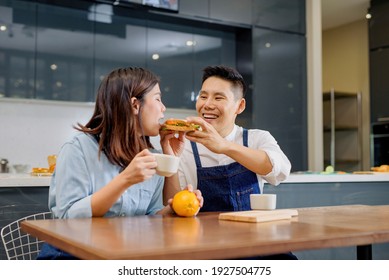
(217, 104)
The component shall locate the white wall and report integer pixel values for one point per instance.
(30, 130)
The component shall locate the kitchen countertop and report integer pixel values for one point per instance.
(327, 178)
(26, 180)
(23, 180)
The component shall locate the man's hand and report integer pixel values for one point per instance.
(208, 136)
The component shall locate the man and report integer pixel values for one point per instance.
(227, 162)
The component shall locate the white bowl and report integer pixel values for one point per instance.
(21, 168)
(167, 165)
(263, 201)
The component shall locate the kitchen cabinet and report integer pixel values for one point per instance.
(27, 70)
(342, 130)
(199, 8)
(379, 143)
(379, 60)
(17, 202)
(224, 11)
(378, 34)
(279, 91)
(231, 11)
(21, 195)
(379, 85)
(280, 15)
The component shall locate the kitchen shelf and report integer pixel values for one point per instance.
(343, 161)
(338, 95)
(342, 130)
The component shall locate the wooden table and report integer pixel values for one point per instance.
(206, 237)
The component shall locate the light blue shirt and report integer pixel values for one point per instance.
(80, 172)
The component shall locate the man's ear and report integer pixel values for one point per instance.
(241, 106)
(135, 105)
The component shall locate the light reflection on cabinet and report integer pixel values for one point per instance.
(342, 130)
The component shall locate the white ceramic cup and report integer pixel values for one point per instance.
(263, 201)
(167, 165)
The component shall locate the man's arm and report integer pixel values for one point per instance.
(255, 160)
(264, 157)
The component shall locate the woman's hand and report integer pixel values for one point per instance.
(141, 168)
(172, 144)
(198, 194)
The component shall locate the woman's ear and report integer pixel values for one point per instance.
(241, 106)
(135, 105)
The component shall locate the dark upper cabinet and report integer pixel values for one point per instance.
(198, 8)
(379, 84)
(378, 25)
(231, 11)
(285, 15)
(59, 52)
(227, 11)
(279, 98)
(379, 60)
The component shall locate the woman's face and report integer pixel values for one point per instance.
(152, 112)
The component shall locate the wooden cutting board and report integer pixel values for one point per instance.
(257, 216)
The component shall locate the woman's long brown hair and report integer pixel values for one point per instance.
(114, 124)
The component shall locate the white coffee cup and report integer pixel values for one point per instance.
(263, 201)
(167, 165)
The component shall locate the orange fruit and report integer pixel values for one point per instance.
(185, 203)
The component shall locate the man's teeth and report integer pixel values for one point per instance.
(208, 116)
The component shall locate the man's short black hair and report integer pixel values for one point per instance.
(226, 73)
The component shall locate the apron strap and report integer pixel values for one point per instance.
(245, 137)
(196, 154)
(196, 151)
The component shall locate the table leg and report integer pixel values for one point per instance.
(364, 252)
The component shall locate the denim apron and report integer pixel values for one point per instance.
(228, 187)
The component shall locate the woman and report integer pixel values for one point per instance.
(108, 169)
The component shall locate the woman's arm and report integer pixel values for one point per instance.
(141, 168)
